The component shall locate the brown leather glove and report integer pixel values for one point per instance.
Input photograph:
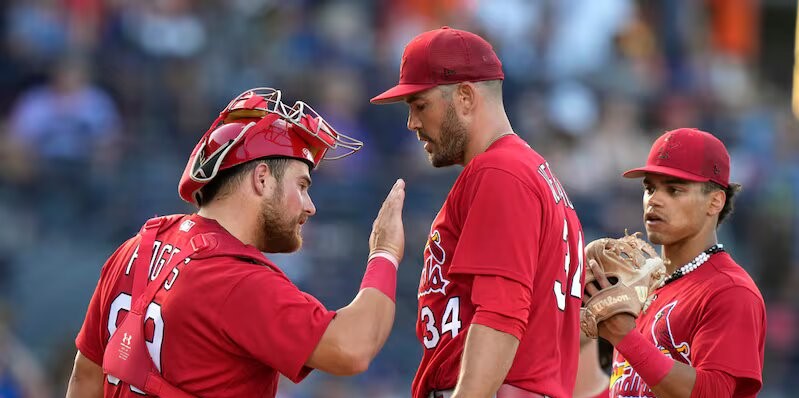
(638, 271)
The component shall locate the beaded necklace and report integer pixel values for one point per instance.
(693, 264)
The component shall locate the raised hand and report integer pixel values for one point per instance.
(388, 234)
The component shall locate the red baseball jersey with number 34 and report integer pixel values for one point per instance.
(506, 222)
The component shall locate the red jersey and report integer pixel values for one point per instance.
(222, 325)
(507, 217)
(713, 318)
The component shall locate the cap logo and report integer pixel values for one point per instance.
(716, 169)
(668, 145)
(449, 72)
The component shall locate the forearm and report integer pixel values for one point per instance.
(678, 383)
(366, 322)
(666, 377)
(360, 329)
(686, 381)
(86, 380)
(487, 358)
(373, 307)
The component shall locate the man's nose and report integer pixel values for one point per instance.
(414, 124)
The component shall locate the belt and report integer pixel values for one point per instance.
(505, 391)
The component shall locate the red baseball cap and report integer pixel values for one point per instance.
(689, 154)
(443, 56)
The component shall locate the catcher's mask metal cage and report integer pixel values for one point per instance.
(258, 124)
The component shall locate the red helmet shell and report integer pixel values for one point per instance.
(257, 125)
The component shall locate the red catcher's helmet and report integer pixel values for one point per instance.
(257, 124)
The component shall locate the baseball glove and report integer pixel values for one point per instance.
(632, 267)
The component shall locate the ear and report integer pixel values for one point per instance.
(466, 97)
(261, 180)
(717, 200)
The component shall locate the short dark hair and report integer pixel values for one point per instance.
(226, 179)
(492, 86)
(730, 191)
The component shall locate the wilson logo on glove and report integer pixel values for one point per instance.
(608, 301)
(638, 270)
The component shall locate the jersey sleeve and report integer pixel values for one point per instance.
(275, 322)
(90, 341)
(713, 384)
(501, 304)
(735, 317)
(501, 228)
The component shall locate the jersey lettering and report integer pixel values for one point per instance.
(555, 186)
(156, 265)
(450, 322)
(132, 259)
(575, 289)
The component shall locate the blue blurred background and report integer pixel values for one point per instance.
(103, 100)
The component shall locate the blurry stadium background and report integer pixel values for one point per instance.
(103, 100)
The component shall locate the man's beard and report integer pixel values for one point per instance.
(279, 232)
(452, 141)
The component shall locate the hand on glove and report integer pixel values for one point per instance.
(620, 278)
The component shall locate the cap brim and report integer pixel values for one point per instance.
(398, 92)
(667, 171)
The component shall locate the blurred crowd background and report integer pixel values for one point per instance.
(103, 100)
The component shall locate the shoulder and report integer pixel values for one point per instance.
(511, 154)
(118, 260)
(511, 160)
(725, 286)
(236, 268)
(172, 219)
(727, 274)
(232, 281)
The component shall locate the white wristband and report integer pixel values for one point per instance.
(388, 256)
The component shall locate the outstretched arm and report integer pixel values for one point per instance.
(359, 330)
(86, 380)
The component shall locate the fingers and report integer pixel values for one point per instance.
(397, 194)
(388, 234)
(599, 274)
(394, 200)
(591, 290)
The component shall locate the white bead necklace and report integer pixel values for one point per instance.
(693, 264)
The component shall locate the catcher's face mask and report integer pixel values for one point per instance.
(258, 124)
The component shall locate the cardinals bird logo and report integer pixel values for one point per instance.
(664, 338)
(432, 280)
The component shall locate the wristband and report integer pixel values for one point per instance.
(381, 274)
(646, 359)
(388, 256)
